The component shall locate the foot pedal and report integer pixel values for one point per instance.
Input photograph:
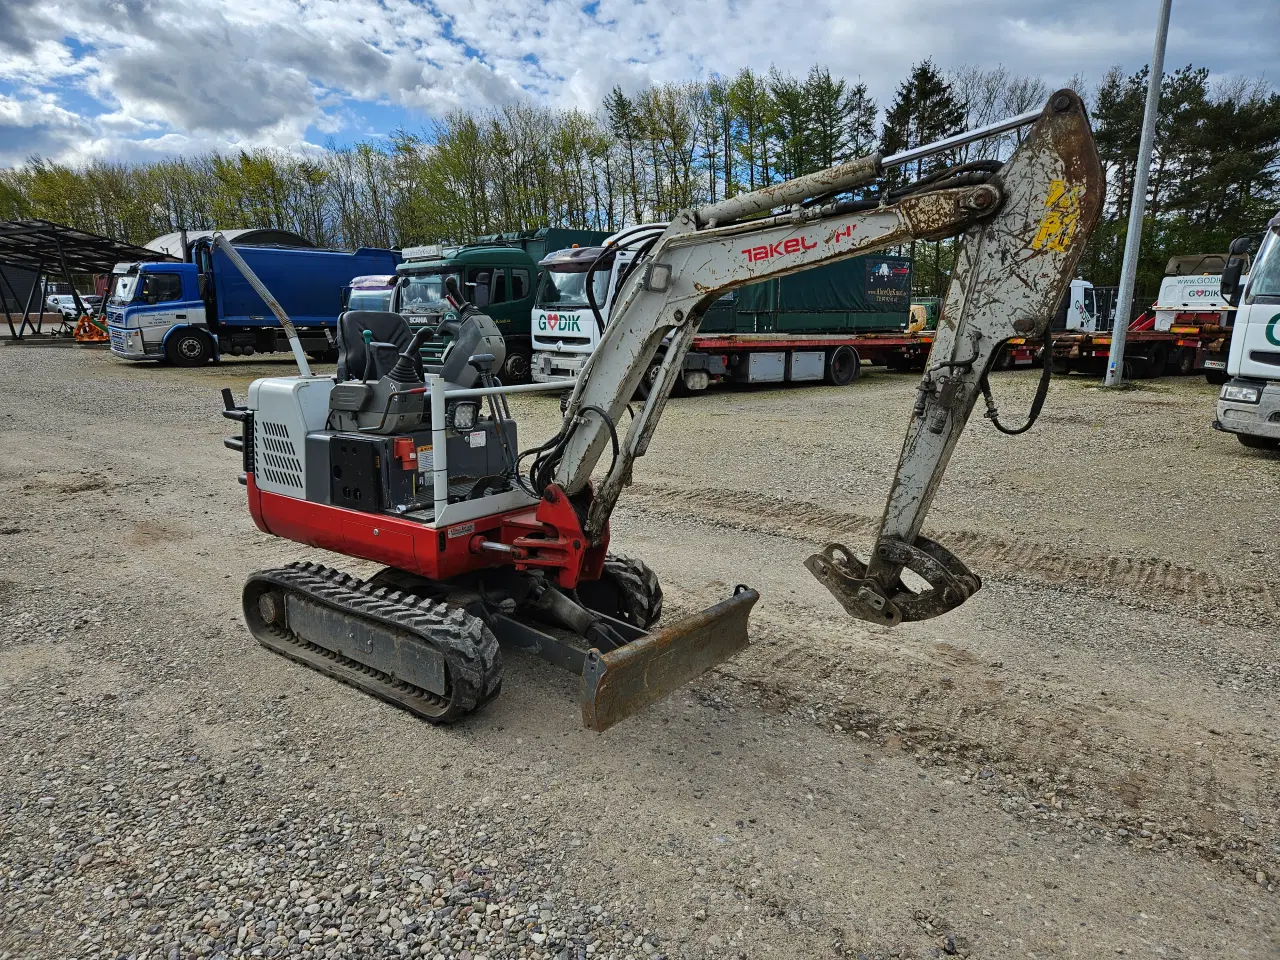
(624, 681)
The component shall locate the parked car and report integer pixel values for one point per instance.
(65, 304)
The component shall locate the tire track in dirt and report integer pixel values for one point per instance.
(1149, 582)
(1142, 775)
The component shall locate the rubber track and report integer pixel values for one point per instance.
(470, 650)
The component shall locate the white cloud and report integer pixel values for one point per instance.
(229, 73)
(33, 124)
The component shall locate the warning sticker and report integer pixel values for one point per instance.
(461, 530)
(478, 438)
(426, 461)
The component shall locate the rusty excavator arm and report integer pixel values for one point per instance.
(1023, 227)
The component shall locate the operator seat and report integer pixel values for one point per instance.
(480, 291)
(391, 334)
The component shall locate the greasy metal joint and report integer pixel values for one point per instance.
(984, 197)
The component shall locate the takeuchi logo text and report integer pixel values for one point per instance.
(768, 251)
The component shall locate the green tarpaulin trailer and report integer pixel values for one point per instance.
(864, 294)
(539, 243)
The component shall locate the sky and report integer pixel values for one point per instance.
(140, 79)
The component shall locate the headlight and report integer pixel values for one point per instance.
(461, 416)
(1241, 393)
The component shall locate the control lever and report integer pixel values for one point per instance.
(453, 295)
(406, 369)
(483, 362)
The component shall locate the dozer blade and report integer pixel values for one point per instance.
(626, 680)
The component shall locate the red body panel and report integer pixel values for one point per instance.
(548, 535)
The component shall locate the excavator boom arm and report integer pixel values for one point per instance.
(1023, 232)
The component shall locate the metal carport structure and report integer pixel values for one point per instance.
(45, 249)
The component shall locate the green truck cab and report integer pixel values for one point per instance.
(498, 279)
(498, 274)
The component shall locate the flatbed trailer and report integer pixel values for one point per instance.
(797, 357)
(1182, 349)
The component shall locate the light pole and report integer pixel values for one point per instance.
(1138, 206)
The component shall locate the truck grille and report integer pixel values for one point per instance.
(550, 343)
(117, 338)
(275, 455)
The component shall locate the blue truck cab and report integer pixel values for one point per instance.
(193, 313)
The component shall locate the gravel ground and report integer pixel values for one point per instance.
(1081, 761)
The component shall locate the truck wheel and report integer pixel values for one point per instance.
(842, 366)
(1159, 360)
(515, 369)
(189, 348)
(1186, 362)
(1216, 377)
(649, 379)
(1258, 443)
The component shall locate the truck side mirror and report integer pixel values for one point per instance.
(1240, 245)
(1229, 285)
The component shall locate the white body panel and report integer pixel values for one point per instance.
(1198, 294)
(285, 410)
(138, 333)
(1255, 338)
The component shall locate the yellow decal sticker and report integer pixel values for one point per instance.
(1061, 218)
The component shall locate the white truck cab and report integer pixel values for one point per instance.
(1249, 403)
(1077, 312)
(564, 329)
(1196, 295)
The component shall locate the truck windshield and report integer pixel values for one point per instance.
(125, 285)
(1264, 279)
(370, 298)
(565, 288)
(424, 293)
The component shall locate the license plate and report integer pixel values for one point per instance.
(1215, 364)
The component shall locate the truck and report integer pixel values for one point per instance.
(196, 312)
(819, 325)
(497, 274)
(1187, 329)
(1249, 402)
(373, 292)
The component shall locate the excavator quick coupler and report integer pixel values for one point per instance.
(949, 582)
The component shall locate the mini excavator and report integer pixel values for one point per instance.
(419, 468)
